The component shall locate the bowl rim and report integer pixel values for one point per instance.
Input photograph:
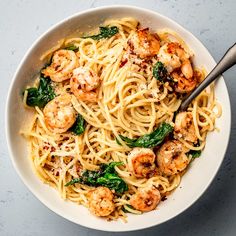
(7, 115)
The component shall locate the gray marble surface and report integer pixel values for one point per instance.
(21, 22)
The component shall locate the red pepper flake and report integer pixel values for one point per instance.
(123, 62)
(53, 149)
(164, 198)
(202, 119)
(77, 166)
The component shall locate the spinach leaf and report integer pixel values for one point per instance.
(90, 177)
(160, 72)
(110, 168)
(105, 32)
(79, 126)
(129, 206)
(72, 47)
(42, 95)
(106, 176)
(149, 140)
(194, 154)
(113, 181)
(73, 181)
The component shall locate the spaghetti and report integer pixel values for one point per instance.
(109, 81)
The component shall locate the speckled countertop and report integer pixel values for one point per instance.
(21, 22)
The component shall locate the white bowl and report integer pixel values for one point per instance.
(194, 182)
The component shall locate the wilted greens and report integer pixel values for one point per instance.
(106, 176)
(79, 126)
(129, 206)
(72, 47)
(194, 154)
(105, 32)
(149, 140)
(160, 72)
(42, 95)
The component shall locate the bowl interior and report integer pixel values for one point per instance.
(194, 182)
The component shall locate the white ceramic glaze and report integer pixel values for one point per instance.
(194, 182)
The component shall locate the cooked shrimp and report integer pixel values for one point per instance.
(183, 85)
(101, 201)
(172, 55)
(145, 199)
(187, 69)
(59, 114)
(184, 127)
(171, 157)
(144, 44)
(63, 63)
(84, 83)
(141, 162)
